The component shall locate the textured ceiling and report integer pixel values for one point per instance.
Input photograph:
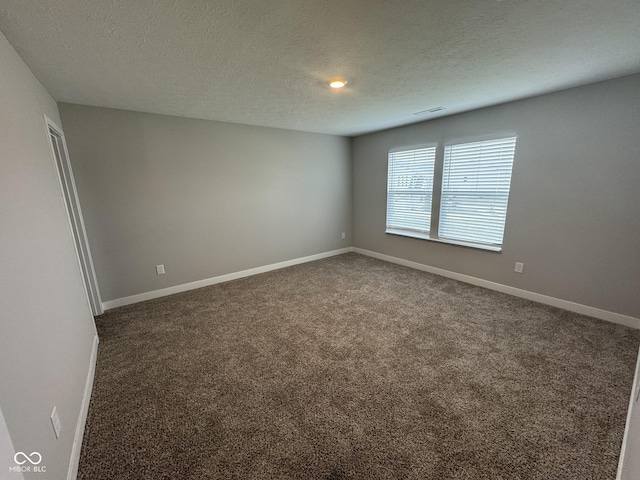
(266, 63)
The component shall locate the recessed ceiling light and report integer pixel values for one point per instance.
(337, 82)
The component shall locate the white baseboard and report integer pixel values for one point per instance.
(517, 292)
(499, 287)
(163, 292)
(82, 416)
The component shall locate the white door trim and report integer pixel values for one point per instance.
(74, 215)
(628, 465)
(6, 449)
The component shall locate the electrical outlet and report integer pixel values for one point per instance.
(159, 269)
(519, 267)
(344, 235)
(55, 422)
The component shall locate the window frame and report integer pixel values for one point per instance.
(410, 232)
(436, 195)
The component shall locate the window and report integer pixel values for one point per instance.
(410, 190)
(475, 190)
(472, 203)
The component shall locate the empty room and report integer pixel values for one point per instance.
(319, 239)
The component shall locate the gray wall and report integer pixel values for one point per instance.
(203, 198)
(574, 209)
(46, 329)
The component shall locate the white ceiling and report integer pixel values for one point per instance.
(266, 62)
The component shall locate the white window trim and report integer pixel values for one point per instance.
(436, 196)
(423, 236)
(418, 146)
(478, 138)
(433, 155)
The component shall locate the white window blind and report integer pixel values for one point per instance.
(475, 191)
(410, 189)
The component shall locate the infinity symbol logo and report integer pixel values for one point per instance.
(29, 458)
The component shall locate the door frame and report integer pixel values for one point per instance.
(74, 215)
(628, 465)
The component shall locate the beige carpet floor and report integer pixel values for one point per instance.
(351, 367)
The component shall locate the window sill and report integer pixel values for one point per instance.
(424, 236)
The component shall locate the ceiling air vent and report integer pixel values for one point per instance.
(430, 110)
